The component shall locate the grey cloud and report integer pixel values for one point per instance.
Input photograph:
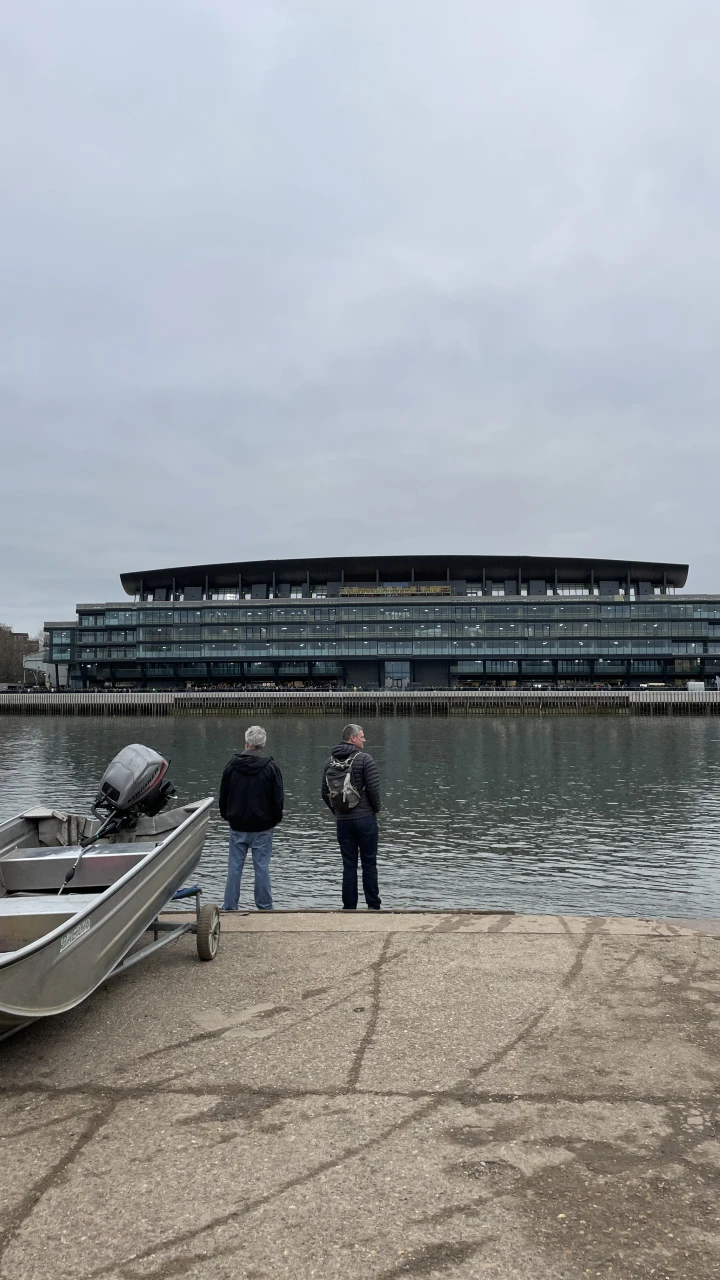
(279, 277)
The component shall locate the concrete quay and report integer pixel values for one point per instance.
(345, 703)
(376, 1095)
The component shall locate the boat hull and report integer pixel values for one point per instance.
(63, 967)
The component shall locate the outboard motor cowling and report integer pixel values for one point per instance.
(135, 781)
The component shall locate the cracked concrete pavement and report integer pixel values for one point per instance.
(376, 1095)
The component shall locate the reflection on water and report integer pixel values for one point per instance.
(598, 816)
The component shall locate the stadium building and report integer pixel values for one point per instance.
(418, 622)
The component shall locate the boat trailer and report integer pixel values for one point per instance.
(205, 926)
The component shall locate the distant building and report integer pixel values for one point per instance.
(14, 645)
(38, 671)
(371, 622)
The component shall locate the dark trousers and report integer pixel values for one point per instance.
(358, 837)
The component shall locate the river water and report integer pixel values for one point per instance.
(569, 815)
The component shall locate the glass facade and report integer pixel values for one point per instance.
(463, 640)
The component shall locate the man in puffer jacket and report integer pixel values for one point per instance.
(355, 803)
(251, 800)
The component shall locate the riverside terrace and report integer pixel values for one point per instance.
(432, 622)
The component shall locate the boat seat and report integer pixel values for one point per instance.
(26, 918)
(46, 904)
(43, 869)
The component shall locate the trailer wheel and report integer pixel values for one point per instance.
(208, 932)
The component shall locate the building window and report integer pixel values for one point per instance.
(397, 675)
(120, 618)
(187, 615)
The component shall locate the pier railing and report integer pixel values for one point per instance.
(348, 703)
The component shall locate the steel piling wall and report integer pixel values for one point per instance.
(348, 703)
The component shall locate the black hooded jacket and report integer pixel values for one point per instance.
(365, 779)
(251, 793)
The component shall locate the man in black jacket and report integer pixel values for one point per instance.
(357, 827)
(251, 800)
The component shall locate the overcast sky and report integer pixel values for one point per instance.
(354, 275)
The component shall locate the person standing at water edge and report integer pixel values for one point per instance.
(351, 791)
(251, 800)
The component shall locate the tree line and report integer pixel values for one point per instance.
(13, 647)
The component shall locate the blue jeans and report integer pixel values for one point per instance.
(261, 844)
(358, 838)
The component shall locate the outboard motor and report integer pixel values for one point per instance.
(133, 783)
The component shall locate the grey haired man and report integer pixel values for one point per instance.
(251, 800)
(355, 802)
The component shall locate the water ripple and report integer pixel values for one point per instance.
(538, 815)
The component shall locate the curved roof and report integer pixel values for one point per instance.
(367, 569)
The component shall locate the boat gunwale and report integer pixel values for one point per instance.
(45, 939)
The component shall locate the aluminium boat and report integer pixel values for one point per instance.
(78, 892)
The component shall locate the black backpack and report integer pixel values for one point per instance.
(344, 795)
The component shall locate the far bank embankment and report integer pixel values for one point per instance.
(348, 703)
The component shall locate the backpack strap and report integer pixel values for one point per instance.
(357, 756)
